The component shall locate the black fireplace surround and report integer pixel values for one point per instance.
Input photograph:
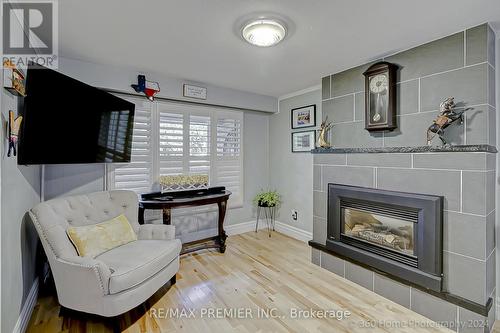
(412, 221)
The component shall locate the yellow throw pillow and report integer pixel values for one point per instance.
(92, 240)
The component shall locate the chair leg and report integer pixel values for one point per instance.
(173, 280)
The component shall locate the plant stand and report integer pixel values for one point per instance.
(269, 215)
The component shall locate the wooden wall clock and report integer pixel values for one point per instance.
(380, 97)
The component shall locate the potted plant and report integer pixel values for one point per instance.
(267, 199)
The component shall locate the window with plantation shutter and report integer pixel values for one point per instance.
(171, 143)
(137, 175)
(173, 139)
(228, 159)
(199, 144)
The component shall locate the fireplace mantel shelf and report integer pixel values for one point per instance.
(420, 149)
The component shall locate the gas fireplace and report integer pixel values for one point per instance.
(393, 232)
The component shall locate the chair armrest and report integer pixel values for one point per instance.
(76, 276)
(156, 232)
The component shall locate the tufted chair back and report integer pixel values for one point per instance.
(53, 217)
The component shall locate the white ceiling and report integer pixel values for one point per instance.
(196, 39)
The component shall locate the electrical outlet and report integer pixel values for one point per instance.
(294, 214)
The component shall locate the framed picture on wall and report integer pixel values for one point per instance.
(304, 116)
(303, 141)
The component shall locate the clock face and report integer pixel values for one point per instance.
(379, 83)
(379, 88)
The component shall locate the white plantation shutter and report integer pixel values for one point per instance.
(199, 145)
(171, 143)
(137, 175)
(228, 158)
(172, 139)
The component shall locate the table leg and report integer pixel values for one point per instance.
(166, 216)
(222, 234)
(141, 215)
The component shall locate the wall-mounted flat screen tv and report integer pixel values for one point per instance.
(67, 122)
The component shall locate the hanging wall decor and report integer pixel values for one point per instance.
(13, 79)
(14, 126)
(380, 97)
(304, 116)
(303, 141)
(149, 88)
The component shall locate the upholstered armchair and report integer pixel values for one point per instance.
(117, 280)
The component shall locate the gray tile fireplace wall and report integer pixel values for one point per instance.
(460, 65)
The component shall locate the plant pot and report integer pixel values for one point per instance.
(264, 204)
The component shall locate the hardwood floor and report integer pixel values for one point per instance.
(256, 272)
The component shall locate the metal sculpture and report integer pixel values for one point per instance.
(323, 130)
(447, 116)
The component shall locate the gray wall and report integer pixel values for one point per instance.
(427, 75)
(291, 173)
(20, 188)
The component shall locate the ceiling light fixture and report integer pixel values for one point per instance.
(263, 32)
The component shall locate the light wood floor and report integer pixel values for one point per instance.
(256, 272)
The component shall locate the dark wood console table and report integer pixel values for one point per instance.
(191, 200)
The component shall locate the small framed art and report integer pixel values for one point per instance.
(304, 116)
(303, 141)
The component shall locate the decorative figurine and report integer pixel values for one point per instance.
(323, 129)
(447, 116)
(149, 88)
(14, 126)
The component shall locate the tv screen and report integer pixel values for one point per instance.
(66, 121)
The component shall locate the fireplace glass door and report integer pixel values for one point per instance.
(393, 233)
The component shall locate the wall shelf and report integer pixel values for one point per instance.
(419, 149)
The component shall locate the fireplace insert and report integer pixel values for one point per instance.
(394, 232)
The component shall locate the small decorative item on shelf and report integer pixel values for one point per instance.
(13, 79)
(447, 116)
(14, 126)
(323, 131)
(183, 182)
(267, 201)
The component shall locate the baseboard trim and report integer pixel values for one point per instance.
(27, 310)
(497, 308)
(294, 232)
(241, 228)
(286, 229)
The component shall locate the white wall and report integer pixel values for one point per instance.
(292, 173)
(497, 223)
(20, 188)
(120, 78)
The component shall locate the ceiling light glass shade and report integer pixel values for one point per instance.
(263, 32)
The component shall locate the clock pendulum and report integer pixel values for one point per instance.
(378, 85)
